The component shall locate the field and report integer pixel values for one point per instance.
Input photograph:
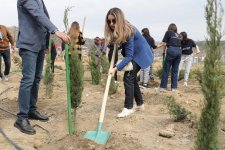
(139, 131)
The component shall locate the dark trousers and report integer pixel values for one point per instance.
(116, 59)
(6, 57)
(53, 57)
(132, 90)
(173, 57)
(32, 63)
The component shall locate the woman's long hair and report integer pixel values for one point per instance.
(184, 37)
(123, 29)
(145, 32)
(173, 27)
(74, 30)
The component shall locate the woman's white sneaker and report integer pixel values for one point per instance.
(125, 112)
(139, 108)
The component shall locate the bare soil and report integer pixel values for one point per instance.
(139, 131)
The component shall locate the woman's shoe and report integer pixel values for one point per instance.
(139, 108)
(125, 112)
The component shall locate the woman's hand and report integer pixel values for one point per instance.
(112, 71)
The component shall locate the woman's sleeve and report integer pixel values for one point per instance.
(129, 52)
(166, 37)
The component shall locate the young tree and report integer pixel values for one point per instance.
(48, 76)
(211, 80)
(95, 67)
(76, 79)
(76, 72)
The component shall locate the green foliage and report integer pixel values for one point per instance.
(65, 18)
(159, 72)
(211, 80)
(105, 65)
(95, 68)
(76, 79)
(48, 76)
(113, 86)
(176, 110)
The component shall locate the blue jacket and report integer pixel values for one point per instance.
(34, 24)
(138, 50)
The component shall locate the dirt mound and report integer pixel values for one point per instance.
(116, 141)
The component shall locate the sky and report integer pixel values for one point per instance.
(156, 15)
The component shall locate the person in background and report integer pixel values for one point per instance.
(5, 39)
(109, 53)
(76, 37)
(148, 72)
(135, 49)
(172, 45)
(187, 46)
(34, 29)
(151, 42)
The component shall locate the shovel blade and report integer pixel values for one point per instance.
(100, 137)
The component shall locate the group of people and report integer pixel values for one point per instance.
(178, 49)
(35, 28)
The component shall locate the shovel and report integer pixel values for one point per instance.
(99, 136)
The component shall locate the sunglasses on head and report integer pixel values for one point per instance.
(111, 21)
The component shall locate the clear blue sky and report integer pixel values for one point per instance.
(188, 15)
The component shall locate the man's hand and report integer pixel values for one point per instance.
(64, 37)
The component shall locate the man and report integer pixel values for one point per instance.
(34, 26)
(5, 39)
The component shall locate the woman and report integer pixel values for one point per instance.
(172, 42)
(187, 46)
(148, 72)
(151, 42)
(135, 49)
(76, 37)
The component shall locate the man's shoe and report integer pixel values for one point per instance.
(185, 84)
(37, 116)
(24, 126)
(125, 112)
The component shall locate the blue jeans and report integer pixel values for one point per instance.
(173, 57)
(32, 63)
(6, 57)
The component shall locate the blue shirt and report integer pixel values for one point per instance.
(136, 49)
